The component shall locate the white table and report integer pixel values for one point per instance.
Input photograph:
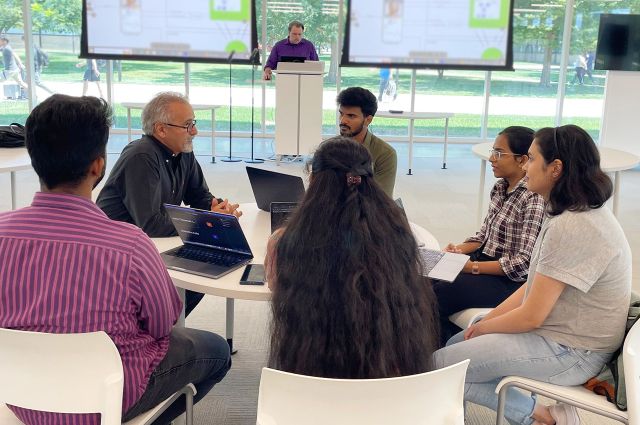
(196, 107)
(412, 116)
(611, 161)
(12, 160)
(256, 225)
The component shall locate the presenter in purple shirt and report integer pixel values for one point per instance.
(293, 45)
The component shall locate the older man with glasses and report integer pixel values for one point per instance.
(160, 168)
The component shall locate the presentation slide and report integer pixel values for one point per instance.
(188, 30)
(429, 33)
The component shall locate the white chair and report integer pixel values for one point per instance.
(70, 373)
(434, 398)
(583, 398)
(465, 318)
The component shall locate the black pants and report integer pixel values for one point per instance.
(197, 357)
(469, 291)
(191, 300)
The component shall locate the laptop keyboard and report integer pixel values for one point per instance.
(430, 258)
(208, 256)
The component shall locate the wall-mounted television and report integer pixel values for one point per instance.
(451, 34)
(618, 43)
(185, 31)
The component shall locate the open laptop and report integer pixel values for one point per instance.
(292, 59)
(269, 186)
(213, 243)
(280, 213)
(442, 265)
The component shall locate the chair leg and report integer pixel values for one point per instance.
(189, 407)
(502, 399)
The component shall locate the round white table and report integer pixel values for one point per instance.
(256, 225)
(611, 161)
(12, 160)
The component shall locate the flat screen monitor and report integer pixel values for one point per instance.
(186, 31)
(618, 43)
(451, 34)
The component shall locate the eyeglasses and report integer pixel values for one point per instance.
(188, 127)
(498, 154)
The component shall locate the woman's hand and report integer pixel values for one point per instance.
(473, 331)
(452, 248)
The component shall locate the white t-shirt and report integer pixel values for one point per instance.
(589, 253)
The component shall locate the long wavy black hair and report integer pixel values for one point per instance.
(349, 300)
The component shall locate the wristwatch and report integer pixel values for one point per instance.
(475, 268)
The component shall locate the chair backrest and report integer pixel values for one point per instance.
(631, 361)
(434, 398)
(66, 373)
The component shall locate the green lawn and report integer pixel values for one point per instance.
(521, 83)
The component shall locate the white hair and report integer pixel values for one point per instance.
(157, 109)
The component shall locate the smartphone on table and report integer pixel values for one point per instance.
(253, 275)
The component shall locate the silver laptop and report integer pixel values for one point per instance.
(213, 243)
(442, 265)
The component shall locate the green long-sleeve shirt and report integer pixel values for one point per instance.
(384, 161)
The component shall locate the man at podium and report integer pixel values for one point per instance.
(290, 48)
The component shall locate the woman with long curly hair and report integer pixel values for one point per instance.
(349, 300)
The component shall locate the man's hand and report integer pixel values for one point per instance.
(225, 207)
(267, 74)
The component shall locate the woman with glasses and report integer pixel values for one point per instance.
(348, 300)
(564, 324)
(501, 249)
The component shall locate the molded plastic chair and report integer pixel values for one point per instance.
(465, 318)
(70, 373)
(434, 398)
(583, 398)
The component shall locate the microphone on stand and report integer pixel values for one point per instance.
(254, 60)
(230, 158)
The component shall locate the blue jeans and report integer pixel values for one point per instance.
(495, 356)
(198, 357)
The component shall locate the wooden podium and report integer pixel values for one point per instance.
(298, 107)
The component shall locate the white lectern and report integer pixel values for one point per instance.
(298, 107)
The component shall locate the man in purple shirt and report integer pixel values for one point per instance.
(65, 267)
(294, 45)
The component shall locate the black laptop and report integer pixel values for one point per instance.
(269, 186)
(213, 243)
(299, 59)
(280, 213)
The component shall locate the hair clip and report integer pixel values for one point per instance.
(354, 180)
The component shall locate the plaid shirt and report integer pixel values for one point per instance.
(511, 227)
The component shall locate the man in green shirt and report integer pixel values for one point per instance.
(357, 107)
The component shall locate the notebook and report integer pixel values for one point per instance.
(270, 186)
(442, 265)
(213, 243)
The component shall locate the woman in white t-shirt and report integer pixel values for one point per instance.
(565, 323)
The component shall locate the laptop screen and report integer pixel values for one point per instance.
(208, 228)
(292, 59)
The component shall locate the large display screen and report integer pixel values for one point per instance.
(618, 43)
(465, 34)
(187, 30)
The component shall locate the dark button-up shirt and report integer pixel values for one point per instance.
(282, 48)
(511, 227)
(148, 175)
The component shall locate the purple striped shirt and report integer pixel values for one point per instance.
(65, 267)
